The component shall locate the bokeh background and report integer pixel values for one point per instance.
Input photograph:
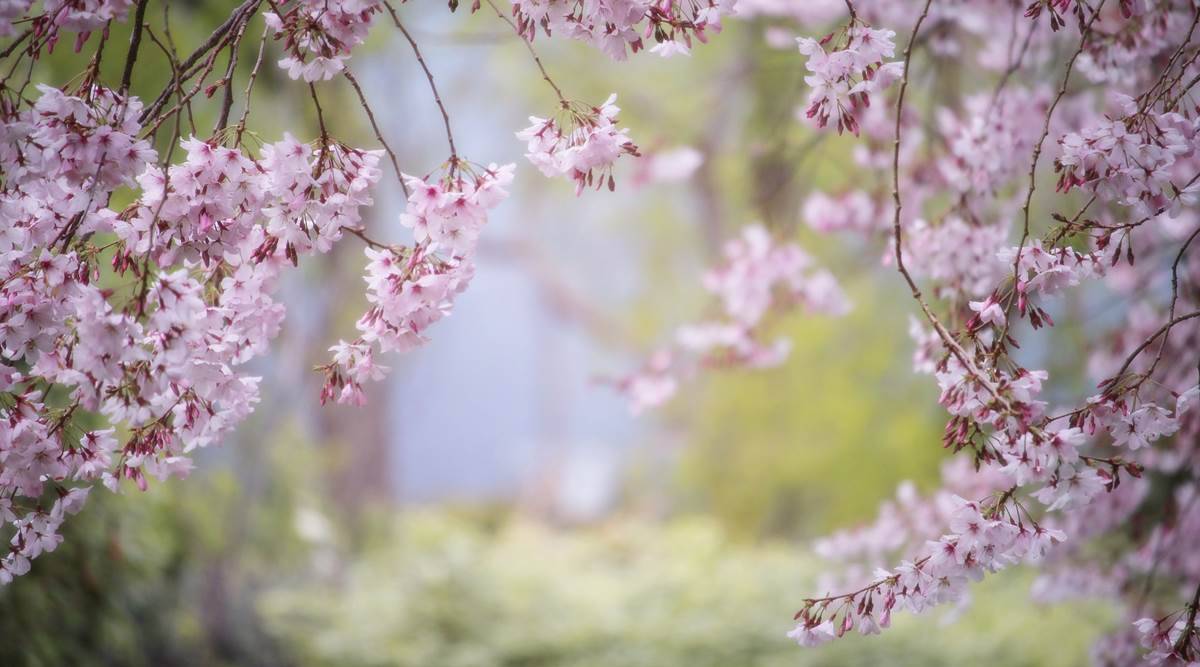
(495, 504)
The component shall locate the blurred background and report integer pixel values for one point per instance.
(495, 504)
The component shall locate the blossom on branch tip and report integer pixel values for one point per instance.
(580, 142)
(842, 80)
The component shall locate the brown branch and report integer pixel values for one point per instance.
(1013, 65)
(1037, 147)
(227, 97)
(8, 50)
(135, 42)
(312, 90)
(1174, 299)
(897, 235)
(185, 100)
(1183, 93)
(432, 86)
(1146, 343)
(170, 55)
(1170, 63)
(1182, 650)
(241, 126)
(362, 234)
(1037, 154)
(215, 40)
(533, 53)
(375, 126)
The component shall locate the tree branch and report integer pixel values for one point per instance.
(432, 86)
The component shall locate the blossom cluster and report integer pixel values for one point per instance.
(160, 358)
(1143, 160)
(581, 143)
(318, 35)
(78, 16)
(618, 27)
(1170, 638)
(843, 79)
(983, 538)
(412, 287)
(136, 287)
(758, 279)
(906, 522)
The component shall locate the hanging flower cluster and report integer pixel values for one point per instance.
(759, 279)
(318, 35)
(78, 16)
(159, 358)
(1142, 160)
(844, 78)
(618, 27)
(412, 287)
(580, 142)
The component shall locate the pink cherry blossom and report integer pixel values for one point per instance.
(581, 143)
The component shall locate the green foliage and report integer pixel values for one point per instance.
(161, 578)
(815, 444)
(444, 591)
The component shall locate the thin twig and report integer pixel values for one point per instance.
(532, 52)
(227, 98)
(1182, 650)
(217, 38)
(1174, 298)
(375, 126)
(8, 50)
(241, 126)
(1153, 337)
(312, 90)
(362, 234)
(1037, 154)
(1014, 65)
(432, 86)
(1037, 147)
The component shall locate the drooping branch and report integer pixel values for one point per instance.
(135, 43)
(362, 98)
(428, 76)
(537, 60)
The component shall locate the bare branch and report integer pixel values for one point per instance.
(432, 86)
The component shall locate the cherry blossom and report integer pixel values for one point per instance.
(843, 79)
(318, 35)
(580, 142)
(759, 278)
(1066, 476)
(410, 288)
(618, 27)
(137, 285)
(206, 231)
(83, 15)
